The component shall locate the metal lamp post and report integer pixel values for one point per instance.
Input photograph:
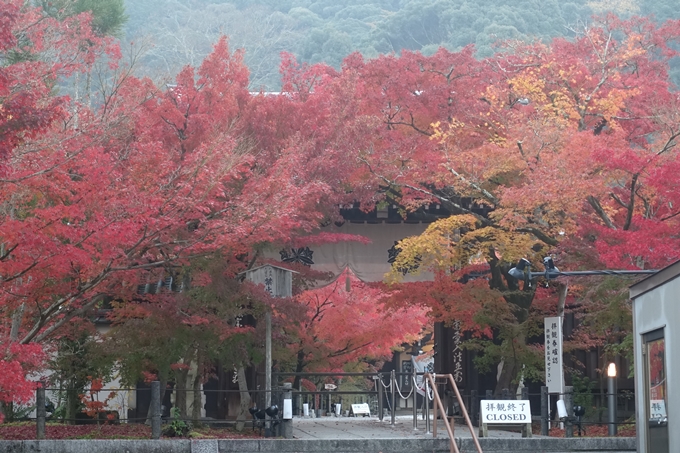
(611, 398)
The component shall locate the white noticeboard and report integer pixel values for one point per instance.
(505, 411)
(554, 370)
(361, 409)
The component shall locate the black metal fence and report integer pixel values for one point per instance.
(383, 393)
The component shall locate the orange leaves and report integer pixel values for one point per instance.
(436, 248)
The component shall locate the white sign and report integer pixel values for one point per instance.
(657, 409)
(505, 411)
(330, 386)
(361, 409)
(287, 409)
(554, 371)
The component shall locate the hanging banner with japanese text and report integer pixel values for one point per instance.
(554, 372)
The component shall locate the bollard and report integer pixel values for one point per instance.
(40, 411)
(569, 405)
(287, 420)
(545, 411)
(156, 410)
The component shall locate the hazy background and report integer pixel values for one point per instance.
(180, 32)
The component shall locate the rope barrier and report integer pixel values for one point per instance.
(399, 391)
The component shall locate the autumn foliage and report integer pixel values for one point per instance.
(539, 149)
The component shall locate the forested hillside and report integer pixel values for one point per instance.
(183, 31)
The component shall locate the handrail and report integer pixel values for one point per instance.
(454, 448)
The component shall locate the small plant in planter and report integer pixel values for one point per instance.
(177, 427)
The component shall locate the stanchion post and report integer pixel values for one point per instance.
(393, 394)
(415, 400)
(379, 388)
(426, 399)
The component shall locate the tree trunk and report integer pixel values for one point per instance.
(17, 317)
(243, 412)
(182, 383)
(299, 366)
(181, 391)
(72, 401)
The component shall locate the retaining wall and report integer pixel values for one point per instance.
(489, 445)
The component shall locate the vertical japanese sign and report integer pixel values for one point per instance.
(457, 362)
(269, 279)
(554, 373)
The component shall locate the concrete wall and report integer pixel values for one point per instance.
(656, 309)
(516, 445)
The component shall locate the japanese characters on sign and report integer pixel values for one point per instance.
(554, 374)
(269, 280)
(657, 409)
(505, 411)
(457, 351)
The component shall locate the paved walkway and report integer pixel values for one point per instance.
(373, 428)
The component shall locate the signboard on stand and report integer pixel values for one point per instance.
(360, 409)
(554, 371)
(505, 412)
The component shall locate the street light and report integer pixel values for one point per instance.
(519, 271)
(611, 398)
(523, 271)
